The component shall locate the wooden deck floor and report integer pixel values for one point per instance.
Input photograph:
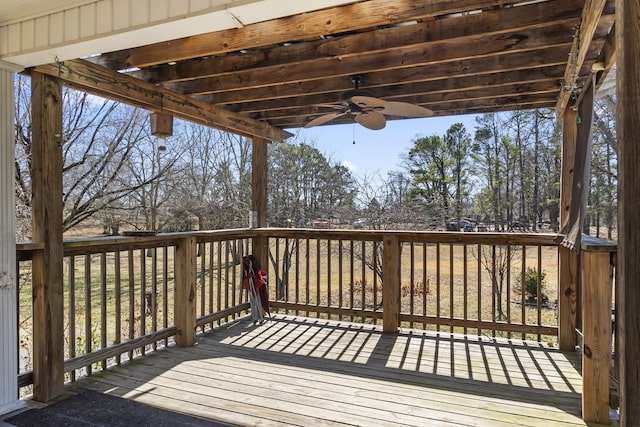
(308, 372)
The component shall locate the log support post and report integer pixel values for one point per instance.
(259, 198)
(46, 178)
(596, 329)
(185, 292)
(627, 289)
(568, 260)
(391, 283)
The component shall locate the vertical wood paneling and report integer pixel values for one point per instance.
(28, 34)
(159, 11)
(41, 32)
(8, 283)
(139, 12)
(88, 20)
(13, 38)
(121, 14)
(56, 28)
(104, 12)
(71, 24)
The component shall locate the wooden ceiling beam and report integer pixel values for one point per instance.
(97, 80)
(552, 56)
(490, 22)
(305, 26)
(434, 101)
(591, 14)
(398, 58)
(401, 92)
(451, 110)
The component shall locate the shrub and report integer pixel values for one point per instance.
(531, 283)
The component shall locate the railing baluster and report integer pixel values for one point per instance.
(209, 245)
(132, 299)
(465, 286)
(425, 284)
(352, 277)
(117, 278)
(165, 290)
(143, 292)
(328, 276)
(219, 293)
(87, 309)
(318, 274)
(308, 274)
(103, 305)
(364, 279)
(508, 298)
(154, 294)
(376, 248)
(202, 281)
(297, 276)
(493, 287)
(479, 287)
(340, 278)
(539, 295)
(72, 310)
(412, 279)
(438, 296)
(451, 284)
(523, 290)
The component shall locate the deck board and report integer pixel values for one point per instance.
(301, 371)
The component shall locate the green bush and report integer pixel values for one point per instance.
(531, 283)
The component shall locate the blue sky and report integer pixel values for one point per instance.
(378, 152)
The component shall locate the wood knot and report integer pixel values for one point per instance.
(587, 351)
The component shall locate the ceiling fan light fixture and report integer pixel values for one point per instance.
(368, 110)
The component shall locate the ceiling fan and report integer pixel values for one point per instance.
(367, 110)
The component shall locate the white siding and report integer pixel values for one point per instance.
(8, 293)
(119, 24)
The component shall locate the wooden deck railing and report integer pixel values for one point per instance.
(122, 299)
(457, 282)
(127, 295)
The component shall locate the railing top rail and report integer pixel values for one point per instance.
(93, 245)
(489, 238)
(87, 246)
(596, 244)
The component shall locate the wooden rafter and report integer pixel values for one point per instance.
(591, 14)
(307, 26)
(91, 78)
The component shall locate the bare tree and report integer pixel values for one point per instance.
(99, 137)
(496, 260)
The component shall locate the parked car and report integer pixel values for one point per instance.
(453, 226)
(466, 225)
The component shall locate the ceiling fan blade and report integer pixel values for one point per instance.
(372, 120)
(333, 106)
(404, 109)
(324, 119)
(368, 102)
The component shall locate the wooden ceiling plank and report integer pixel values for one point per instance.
(434, 101)
(305, 26)
(451, 110)
(489, 22)
(591, 14)
(92, 78)
(414, 55)
(552, 56)
(449, 84)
